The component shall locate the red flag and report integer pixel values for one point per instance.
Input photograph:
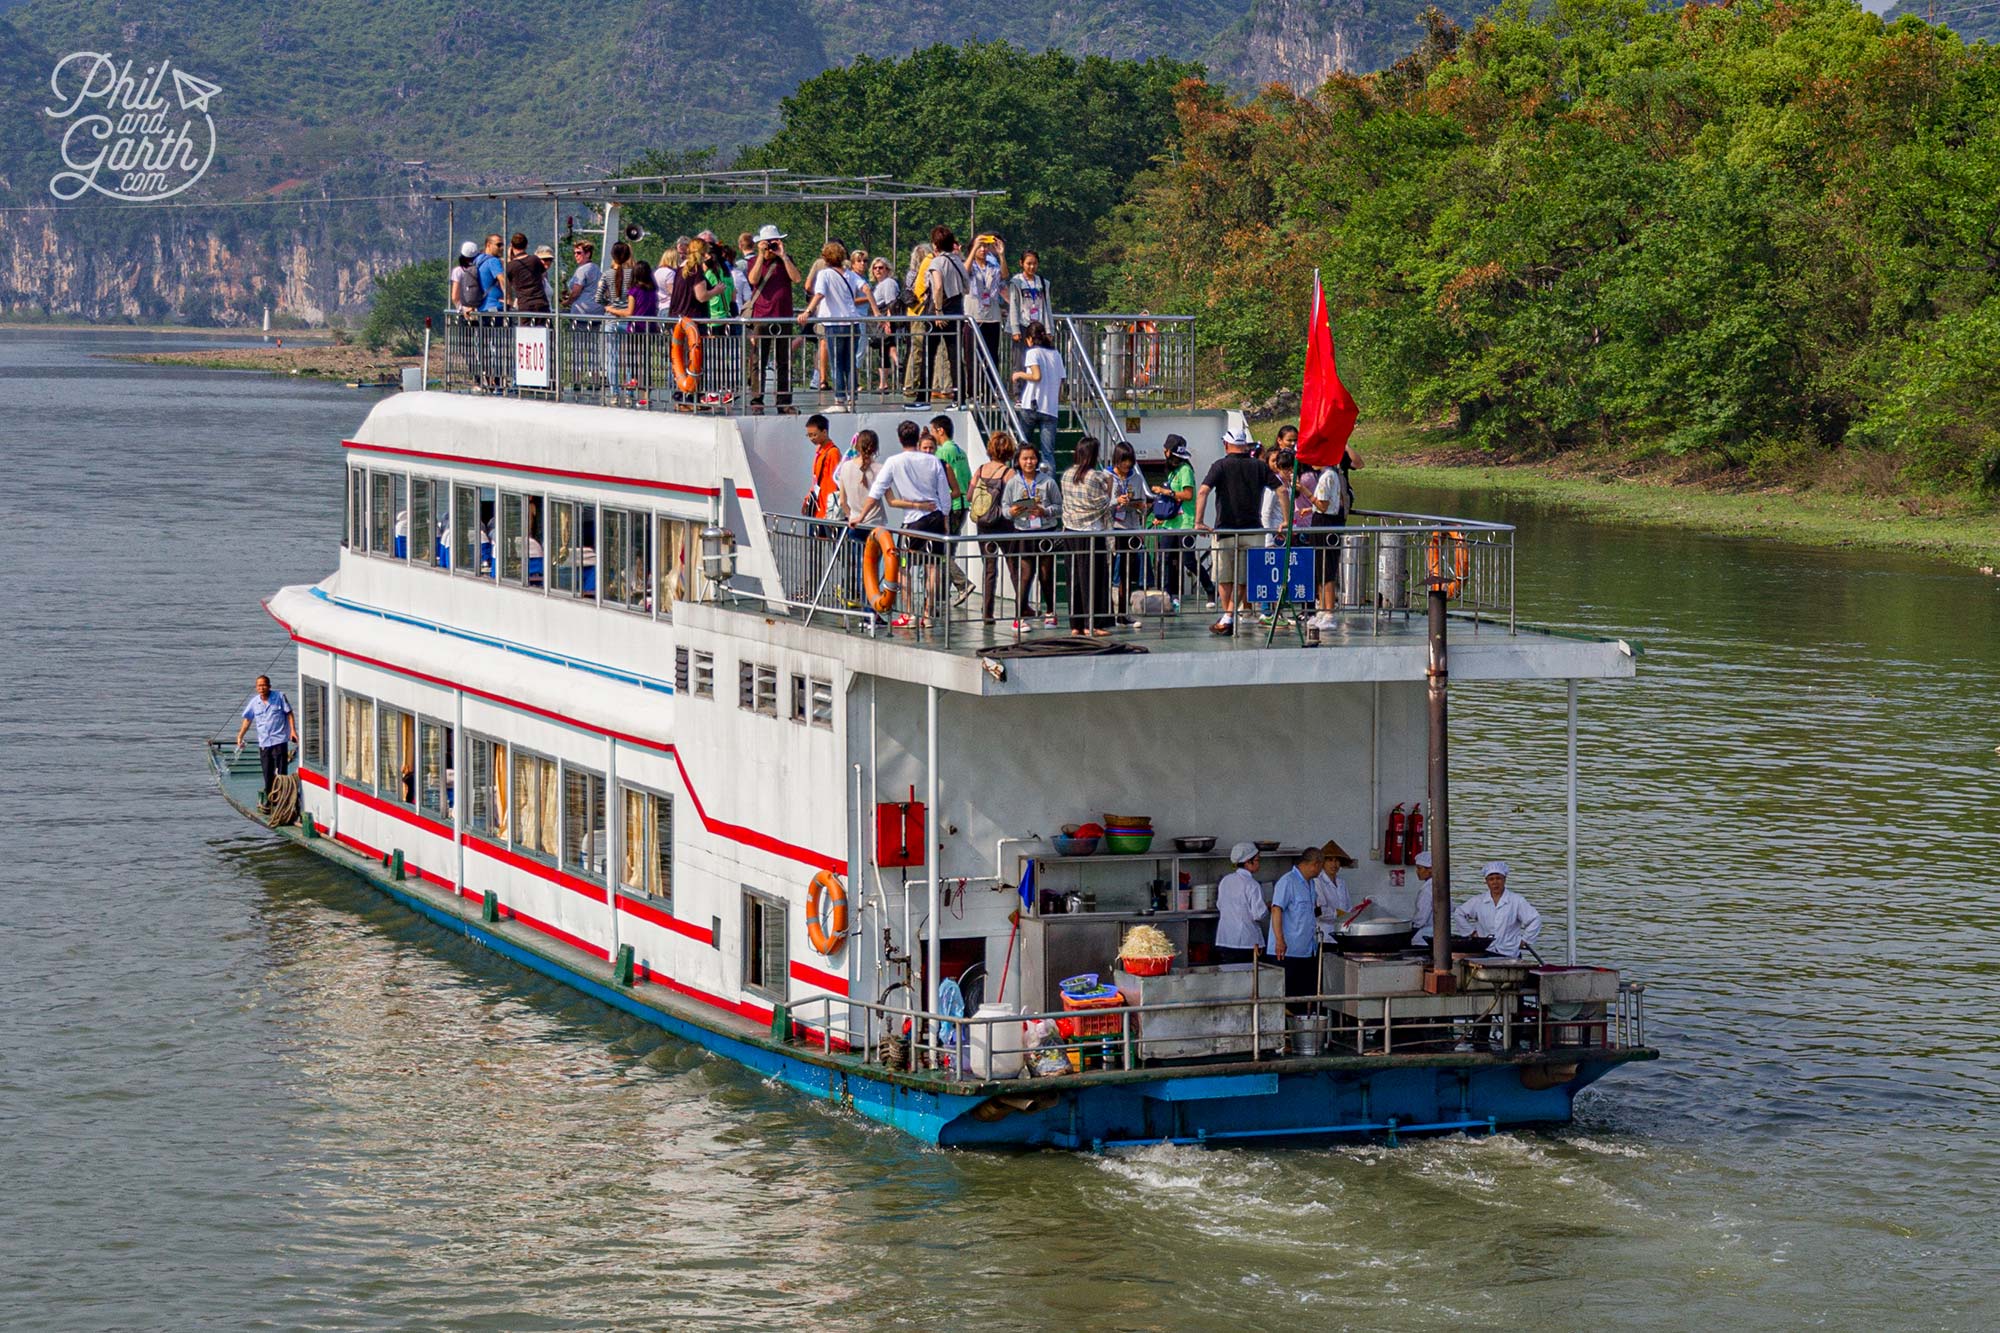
(1326, 409)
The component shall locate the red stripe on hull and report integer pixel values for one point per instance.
(677, 488)
(812, 976)
(562, 879)
(737, 833)
(648, 913)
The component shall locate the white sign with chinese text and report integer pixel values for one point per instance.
(531, 358)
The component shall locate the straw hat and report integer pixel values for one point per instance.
(1335, 853)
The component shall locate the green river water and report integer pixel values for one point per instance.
(238, 1090)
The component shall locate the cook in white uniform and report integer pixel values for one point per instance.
(1498, 914)
(1240, 901)
(1421, 913)
(1331, 890)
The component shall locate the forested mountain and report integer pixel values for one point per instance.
(329, 98)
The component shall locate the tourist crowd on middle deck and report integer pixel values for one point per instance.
(921, 332)
(1129, 539)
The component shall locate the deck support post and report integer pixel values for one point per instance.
(459, 795)
(1570, 908)
(933, 955)
(1437, 678)
(615, 834)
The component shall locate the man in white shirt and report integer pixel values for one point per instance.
(1420, 914)
(917, 484)
(1240, 906)
(1499, 914)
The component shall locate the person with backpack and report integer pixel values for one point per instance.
(945, 285)
(985, 503)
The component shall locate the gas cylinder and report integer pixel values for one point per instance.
(1392, 838)
(1415, 842)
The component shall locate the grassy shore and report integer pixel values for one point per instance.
(319, 360)
(1657, 495)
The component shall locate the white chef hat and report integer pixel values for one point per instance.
(1242, 852)
(1494, 868)
(1423, 859)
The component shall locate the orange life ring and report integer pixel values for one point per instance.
(881, 567)
(1461, 561)
(829, 896)
(687, 355)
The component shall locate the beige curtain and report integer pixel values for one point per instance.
(638, 831)
(527, 795)
(551, 805)
(669, 563)
(497, 765)
(350, 739)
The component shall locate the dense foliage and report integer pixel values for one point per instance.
(1745, 234)
(1063, 137)
(404, 299)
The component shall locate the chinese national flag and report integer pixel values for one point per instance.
(1326, 409)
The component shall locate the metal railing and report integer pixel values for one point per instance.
(1082, 389)
(958, 1048)
(727, 366)
(1143, 360)
(980, 589)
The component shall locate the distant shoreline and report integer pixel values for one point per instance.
(181, 330)
(1623, 492)
(351, 363)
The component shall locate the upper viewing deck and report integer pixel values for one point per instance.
(727, 351)
(717, 400)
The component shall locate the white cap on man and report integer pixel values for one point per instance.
(1243, 853)
(469, 249)
(1494, 868)
(1236, 439)
(769, 232)
(1423, 860)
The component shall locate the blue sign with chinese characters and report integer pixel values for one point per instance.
(1275, 570)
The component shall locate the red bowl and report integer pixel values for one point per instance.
(1146, 967)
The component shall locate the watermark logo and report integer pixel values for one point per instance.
(127, 138)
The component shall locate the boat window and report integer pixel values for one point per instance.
(757, 688)
(647, 863)
(764, 952)
(798, 698)
(677, 552)
(472, 530)
(583, 843)
(357, 509)
(536, 801)
(624, 559)
(486, 775)
(821, 706)
(387, 517)
(572, 535)
(430, 503)
(703, 665)
(680, 671)
(395, 754)
(312, 723)
(513, 565)
(434, 768)
(357, 741)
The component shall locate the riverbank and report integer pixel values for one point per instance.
(317, 360)
(1624, 492)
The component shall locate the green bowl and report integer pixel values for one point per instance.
(1128, 844)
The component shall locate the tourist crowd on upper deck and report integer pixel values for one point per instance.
(915, 329)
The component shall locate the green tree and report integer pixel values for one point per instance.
(404, 299)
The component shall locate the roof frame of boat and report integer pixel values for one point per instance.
(763, 185)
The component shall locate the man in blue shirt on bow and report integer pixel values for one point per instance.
(277, 730)
(1293, 937)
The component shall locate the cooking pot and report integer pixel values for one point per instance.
(1383, 935)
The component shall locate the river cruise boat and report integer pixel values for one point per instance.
(587, 686)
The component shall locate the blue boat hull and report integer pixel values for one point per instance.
(1381, 1099)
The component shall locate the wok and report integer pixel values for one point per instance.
(1384, 935)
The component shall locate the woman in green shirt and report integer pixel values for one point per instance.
(1177, 552)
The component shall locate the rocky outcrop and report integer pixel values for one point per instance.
(174, 268)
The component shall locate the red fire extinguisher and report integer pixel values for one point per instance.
(1392, 840)
(1416, 840)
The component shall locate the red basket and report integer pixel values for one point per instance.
(1090, 1024)
(1147, 967)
